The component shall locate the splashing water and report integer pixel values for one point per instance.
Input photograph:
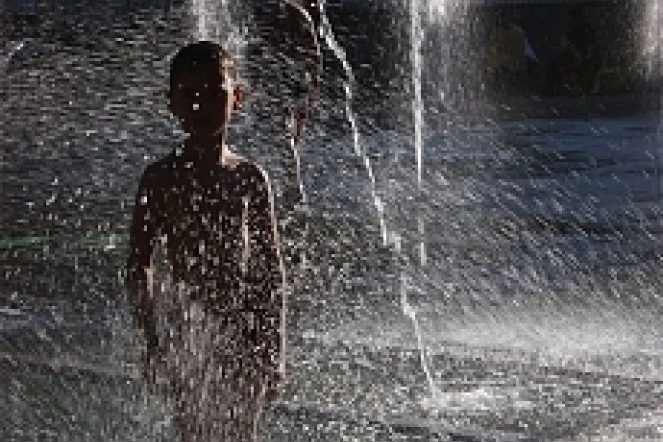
(417, 106)
(651, 45)
(417, 36)
(416, 328)
(652, 51)
(328, 34)
(214, 20)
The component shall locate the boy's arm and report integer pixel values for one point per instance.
(139, 266)
(266, 275)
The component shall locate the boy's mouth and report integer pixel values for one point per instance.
(205, 124)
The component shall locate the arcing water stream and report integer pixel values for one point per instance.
(417, 107)
(328, 35)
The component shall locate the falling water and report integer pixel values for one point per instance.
(417, 107)
(418, 110)
(328, 34)
(38, 402)
(652, 51)
(417, 36)
(653, 36)
(417, 102)
(213, 20)
(200, 9)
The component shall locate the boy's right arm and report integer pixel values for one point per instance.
(139, 266)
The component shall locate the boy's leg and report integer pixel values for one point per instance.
(239, 412)
(237, 420)
(188, 425)
(253, 416)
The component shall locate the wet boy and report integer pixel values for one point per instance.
(211, 212)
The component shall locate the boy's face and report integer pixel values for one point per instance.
(204, 98)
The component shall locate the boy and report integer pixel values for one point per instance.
(212, 211)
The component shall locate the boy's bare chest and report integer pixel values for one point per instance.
(204, 204)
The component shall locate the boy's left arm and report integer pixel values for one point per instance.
(266, 277)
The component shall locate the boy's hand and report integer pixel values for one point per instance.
(152, 362)
(274, 384)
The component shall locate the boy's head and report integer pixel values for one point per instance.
(202, 91)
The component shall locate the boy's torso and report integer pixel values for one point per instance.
(201, 216)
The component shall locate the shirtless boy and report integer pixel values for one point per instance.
(212, 214)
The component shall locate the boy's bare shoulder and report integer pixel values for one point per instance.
(248, 170)
(159, 173)
(162, 173)
(233, 161)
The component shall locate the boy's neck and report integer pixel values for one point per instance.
(208, 148)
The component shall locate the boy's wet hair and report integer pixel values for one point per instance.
(197, 54)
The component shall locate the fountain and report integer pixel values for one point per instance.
(474, 278)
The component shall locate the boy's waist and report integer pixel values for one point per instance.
(224, 312)
(199, 282)
(227, 302)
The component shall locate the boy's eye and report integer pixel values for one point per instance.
(206, 90)
(214, 89)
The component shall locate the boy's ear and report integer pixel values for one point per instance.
(238, 98)
(169, 100)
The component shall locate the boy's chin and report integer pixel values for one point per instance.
(204, 131)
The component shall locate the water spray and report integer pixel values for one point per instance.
(417, 37)
(327, 34)
(214, 22)
(417, 107)
(200, 11)
(418, 112)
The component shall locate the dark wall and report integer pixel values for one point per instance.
(377, 39)
(616, 23)
(375, 34)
